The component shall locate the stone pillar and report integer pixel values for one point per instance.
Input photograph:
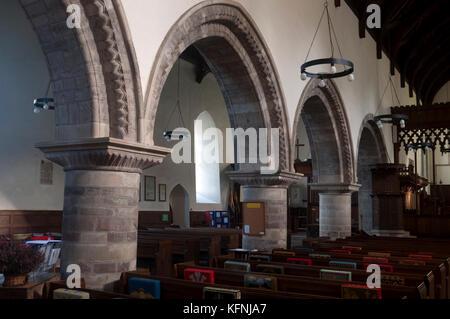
(271, 190)
(335, 209)
(101, 200)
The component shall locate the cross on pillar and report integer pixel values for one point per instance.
(297, 147)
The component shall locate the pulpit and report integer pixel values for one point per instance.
(387, 200)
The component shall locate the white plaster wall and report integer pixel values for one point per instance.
(443, 95)
(23, 77)
(195, 98)
(287, 27)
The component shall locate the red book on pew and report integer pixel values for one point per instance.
(420, 256)
(352, 248)
(376, 260)
(340, 251)
(386, 268)
(199, 275)
(300, 261)
(35, 238)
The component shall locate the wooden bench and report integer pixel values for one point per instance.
(173, 288)
(189, 246)
(93, 294)
(431, 274)
(304, 285)
(411, 280)
(400, 247)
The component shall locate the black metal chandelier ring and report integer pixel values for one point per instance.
(391, 118)
(332, 62)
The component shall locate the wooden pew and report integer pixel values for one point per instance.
(431, 274)
(173, 288)
(189, 245)
(402, 247)
(93, 294)
(411, 280)
(229, 238)
(159, 251)
(304, 285)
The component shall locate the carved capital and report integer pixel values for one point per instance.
(103, 154)
(281, 179)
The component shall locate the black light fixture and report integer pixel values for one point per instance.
(170, 134)
(348, 67)
(422, 146)
(44, 103)
(394, 119)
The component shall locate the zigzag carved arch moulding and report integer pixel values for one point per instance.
(93, 69)
(230, 22)
(330, 98)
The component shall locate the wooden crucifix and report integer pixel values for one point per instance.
(297, 147)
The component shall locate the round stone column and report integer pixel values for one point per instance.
(272, 191)
(101, 202)
(100, 220)
(335, 215)
(335, 209)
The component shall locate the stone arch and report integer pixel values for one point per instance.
(323, 113)
(369, 125)
(226, 36)
(371, 150)
(93, 69)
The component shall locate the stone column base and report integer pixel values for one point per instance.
(335, 209)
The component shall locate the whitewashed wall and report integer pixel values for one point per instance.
(287, 27)
(23, 77)
(195, 98)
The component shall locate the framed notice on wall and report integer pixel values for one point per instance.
(254, 219)
(162, 192)
(150, 188)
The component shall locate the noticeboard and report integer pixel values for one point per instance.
(254, 219)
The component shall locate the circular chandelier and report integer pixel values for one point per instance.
(170, 135)
(45, 103)
(422, 146)
(346, 65)
(396, 119)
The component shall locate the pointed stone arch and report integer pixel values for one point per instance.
(227, 37)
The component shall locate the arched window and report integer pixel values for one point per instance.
(207, 173)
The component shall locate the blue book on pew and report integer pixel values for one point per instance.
(342, 264)
(145, 288)
(303, 249)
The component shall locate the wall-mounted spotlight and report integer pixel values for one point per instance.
(46, 103)
(43, 104)
(175, 135)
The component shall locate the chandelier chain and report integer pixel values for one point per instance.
(177, 105)
(315, 34)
